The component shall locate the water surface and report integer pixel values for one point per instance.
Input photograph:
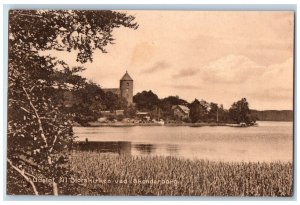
(270, 141)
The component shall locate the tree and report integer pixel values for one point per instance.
(223, 114)
(204, 110)
(213, 112)
(146, 101)
(167, 103)
(195, 107)
(114, 102)
(87, 103)
(39, 130)
(199, 110)
(240, 112)
(130, 111)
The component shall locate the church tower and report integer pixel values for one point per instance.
(126, 88)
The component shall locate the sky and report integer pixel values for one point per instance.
(218, 56)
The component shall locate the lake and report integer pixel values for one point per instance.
(269, 141)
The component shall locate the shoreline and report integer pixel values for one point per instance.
(201, 124)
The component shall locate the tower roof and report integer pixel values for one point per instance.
(126, 76)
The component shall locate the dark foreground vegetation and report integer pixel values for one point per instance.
(106, 174)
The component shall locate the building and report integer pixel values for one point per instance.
(181, 111)
(115, 91)
(125, 90)
(119, 112)
(143, 115)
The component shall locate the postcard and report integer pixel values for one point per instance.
(150, 103)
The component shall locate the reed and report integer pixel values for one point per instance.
(107, 174)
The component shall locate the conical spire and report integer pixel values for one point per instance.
(126, 76)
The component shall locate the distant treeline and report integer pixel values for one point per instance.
(86, 101)
(274, 115)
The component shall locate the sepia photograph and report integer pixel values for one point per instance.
(150, 103)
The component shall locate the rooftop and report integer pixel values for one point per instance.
(126, 76)
(184, 108)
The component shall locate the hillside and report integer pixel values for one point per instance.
(274, 115)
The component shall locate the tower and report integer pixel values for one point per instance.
(126, 88)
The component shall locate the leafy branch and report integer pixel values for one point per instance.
(23, 174)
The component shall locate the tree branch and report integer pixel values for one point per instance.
(54, 184)
(25, 110)
(31, 163)
(32, 88)
(22, 173)
(54, 141)
(34, 15)
(38, 118)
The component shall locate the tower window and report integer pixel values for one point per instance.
(127, 84)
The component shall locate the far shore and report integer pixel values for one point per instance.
(128, 124)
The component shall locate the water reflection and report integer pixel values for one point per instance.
(126, 147)
(121, 147)
(172, 149)
(145, 148)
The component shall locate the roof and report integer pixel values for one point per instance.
(126, 76)
(184, 108)
(110, 89)
(115, 91)
(142, 113)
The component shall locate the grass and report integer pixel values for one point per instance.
(107, 174)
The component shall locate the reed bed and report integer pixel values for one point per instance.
(107, 174)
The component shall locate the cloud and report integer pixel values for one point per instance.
(185, 87)
(237, 54)
(231, 69)
(158, 66)
(186, 73)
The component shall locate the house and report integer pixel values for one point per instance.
(106, 113)
(143, 115)
(119, 112)
(181, 111)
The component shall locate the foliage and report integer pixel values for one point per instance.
(240, 112)
(111, 118)
(89, 100)
(213, 111)
(223, 115)
(195, 111)
(87, 103)
(199, 110)
(130, 111)
(39, 130)
(167, 103)
(146, 101)
(119, 117)
(114, 102)
(194, 177)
